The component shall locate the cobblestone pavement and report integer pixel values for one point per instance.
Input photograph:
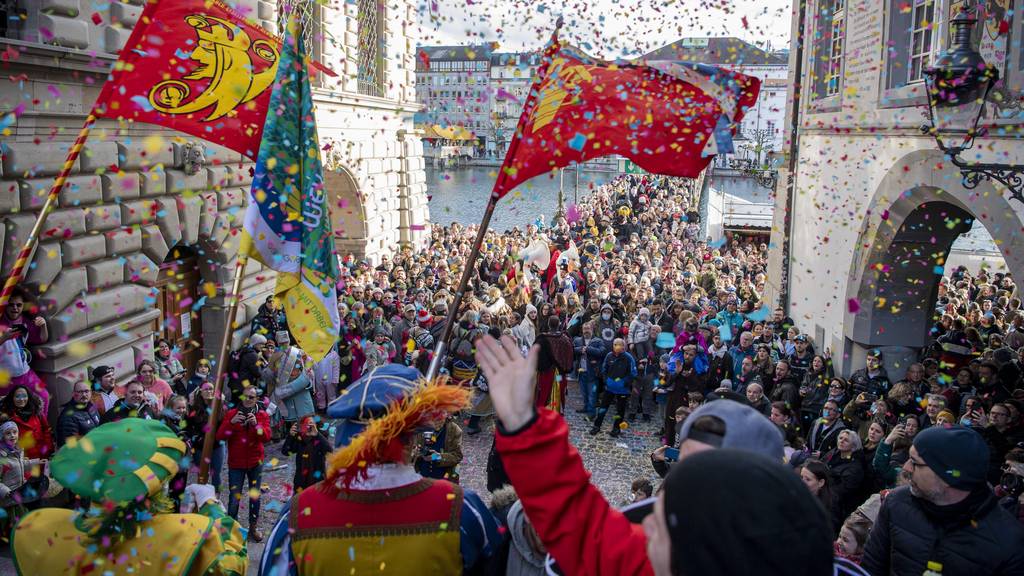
(612, 462)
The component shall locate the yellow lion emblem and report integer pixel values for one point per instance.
(222, 51)
(560, 84)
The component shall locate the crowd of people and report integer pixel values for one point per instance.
(626, 304)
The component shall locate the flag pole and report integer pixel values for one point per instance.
(474, 253)
(21, 263)
(234, 297)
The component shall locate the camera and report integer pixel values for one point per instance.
(1012, 484)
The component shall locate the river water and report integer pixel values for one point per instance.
(460, 195)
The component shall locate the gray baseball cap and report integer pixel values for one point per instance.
(745, 429)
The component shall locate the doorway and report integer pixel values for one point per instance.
(177, 298)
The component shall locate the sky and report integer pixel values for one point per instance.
(604, 28)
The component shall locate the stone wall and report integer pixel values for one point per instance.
(126, 205)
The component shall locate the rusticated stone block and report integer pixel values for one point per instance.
(153, 182)
(82, 189)
(69, 285)
(179, 181)
(105, 273)
(68, 8)
(140, 269)
(66, 32)
(100, 218)
(124, 14)
(143, 153)
(120, 187)
(97, 155)
(189, 210)
(115, 37)
(10, 198)
(83, 249)
(167, 219)
(138, 212)
(30, 160)
(45, 265)
(231, 198)
(153, 244)
(124, 240)
(64, 223)
(70, 320)
(115, 302)
(208, 215)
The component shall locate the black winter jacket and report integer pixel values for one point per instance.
(76, 420)
(906, 537)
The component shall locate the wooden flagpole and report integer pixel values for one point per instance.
(234, 297)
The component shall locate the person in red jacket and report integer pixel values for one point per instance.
(778, 529)
(25, 408)
(246, 429)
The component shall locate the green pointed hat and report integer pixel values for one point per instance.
(120, 461)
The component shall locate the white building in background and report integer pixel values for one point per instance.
(868, 210)
(148, 244)
(512, 74)
(453, 87)
(762, 127)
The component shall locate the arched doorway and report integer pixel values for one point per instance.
(918, 211)
(178, 299)
(348, 215)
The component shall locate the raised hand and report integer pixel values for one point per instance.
(510, 378)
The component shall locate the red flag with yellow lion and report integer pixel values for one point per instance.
(197, 67)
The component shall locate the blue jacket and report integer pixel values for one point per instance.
(296, 398)
(619, 372)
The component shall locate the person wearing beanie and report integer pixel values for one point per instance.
(103, 394)
(947, 520)
(777, 529)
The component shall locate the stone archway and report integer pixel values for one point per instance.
(348, 213)
(919, 209)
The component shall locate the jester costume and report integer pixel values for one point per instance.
(123, 467)
(373, 513)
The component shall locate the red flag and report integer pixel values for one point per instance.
(581, 108)
(196, 66)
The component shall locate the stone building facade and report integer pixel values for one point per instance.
(867, 208)
(144, 240)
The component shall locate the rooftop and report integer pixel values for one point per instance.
(472, 52)
(723, 51)
(515, 59)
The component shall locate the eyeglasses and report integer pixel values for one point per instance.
(914, 465)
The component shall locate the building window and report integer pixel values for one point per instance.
(921, 38)
(910, 45)
(834, 66)
(370, 63)
(827, 50)
(309, 16)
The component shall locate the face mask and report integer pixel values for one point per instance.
(606, 315)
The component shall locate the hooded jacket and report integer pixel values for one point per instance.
(292, 396)
(523, 560)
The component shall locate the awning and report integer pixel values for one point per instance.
(449, 133)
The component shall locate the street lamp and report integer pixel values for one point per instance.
(958, 85)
